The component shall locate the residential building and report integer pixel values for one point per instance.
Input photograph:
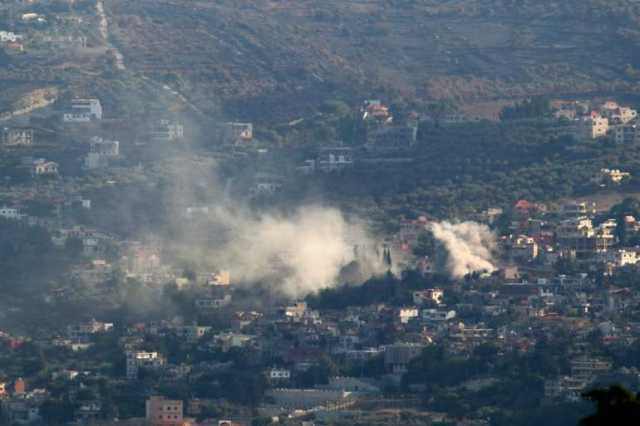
(437, 315)
(306, 399)
(17, 136)
(392, 138)
(611, 177)
(375, 110)
(623, 257)
(407, 314)
(42, 167)
(399, 355)
(11, 213)
(435, 295)
(137, 360)
(100, 152)
(592, 127)
(20, 411)
(524, 248)
(164, 412)
(167, 131)
(218, 279)
(9, 37)
(276, 374)
(587, 369)
(578, 236)
(83, 111)
(578, 209)
(213, 303)
(192, 333)
(81, 332)
(233, 132)
(334, 159)
(626, 133)
(105, 147)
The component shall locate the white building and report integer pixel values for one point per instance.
(612, 176)
(100, 152)
(438, 315)
(42, 167)
(279, 374)
(83, 111)
(9, 37)
(406, 314)
(167, 131)
(104, 147)
(17, 136)
(140, 359)
(10, 213)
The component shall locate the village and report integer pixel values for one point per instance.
(559, 271)
(492, 274)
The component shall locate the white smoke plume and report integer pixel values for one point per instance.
(298, 254)
(295, 253)
(470, 247)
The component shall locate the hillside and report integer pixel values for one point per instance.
(276, 59)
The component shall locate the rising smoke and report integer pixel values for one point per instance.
(299, 253)
(469, 245)
(296, 252)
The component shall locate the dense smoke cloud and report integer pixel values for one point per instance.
(298, 254)
(469, 247)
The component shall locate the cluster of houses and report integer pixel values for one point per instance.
(383, 140)
(608, 120)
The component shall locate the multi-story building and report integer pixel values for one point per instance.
(167, 131)
(334, 159)
(81, 332)
(192, 333)
(626, 133)
(395, 138)
(399, 355)
(433, 294)
(137, 360)
(278, 374)
(10, 213)
(100, 152)
(524, 248)
(579, 236)
(164, 412)
(597, 126)
(83, 111)
(17, 136)
(586, 369)
(407, 314)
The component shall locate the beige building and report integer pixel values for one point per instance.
(164, 412)
(597, 126)
(611, 177)
(579, 236)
